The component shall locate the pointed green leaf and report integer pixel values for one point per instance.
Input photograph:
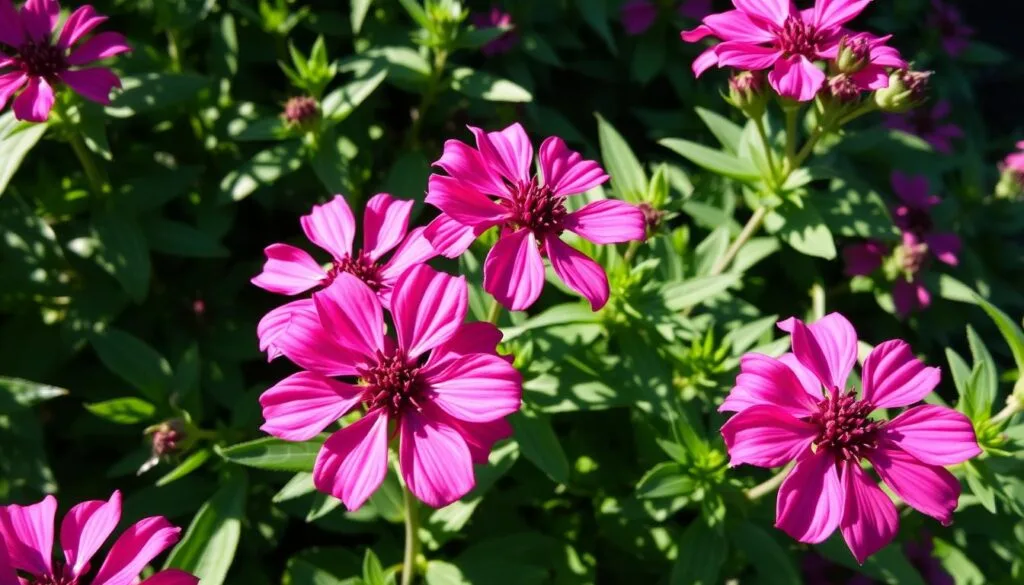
(627, 175)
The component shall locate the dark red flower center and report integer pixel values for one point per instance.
(392, 383)
(844, 427)
(361, 266)
(796, 37)
(60, 576)
(42, 60)
(534, 207)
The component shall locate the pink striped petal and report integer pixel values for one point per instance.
(811, 500)
(85, 528)
(870, 520)
(465, 164)
(608, 221)
(828, 347)
(171, 577)
(415, 249)
(475, 387)
(773, 11)
(11, 32)
(102, 46)
(331, 226)
(705, 61)
(699, 33)
(449, 237)
(742, 55)
(808, 380)
(766, 436)
(893, 377)
(134, 549)
(80, 23)
(302, 405)
(764, 380)
(10, 83)
(94, 83)
(470, 338)
(736, 25)
(578, 271)
(514, 271)
(929, 489)
(385, 222)
(34, 103)
(463, 204)
(351, 313)
(797, 78)
(565, 171)
(834, 13)
(428, 308)
(435, 461)
(39, 18)
(354, 460)
(296, 332)
(28, 534)
(288, 271)
(507, 152)
(934, 434)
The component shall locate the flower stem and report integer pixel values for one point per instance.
(749, 229)
(791, 115)
(92, 172)
(412, 538)
(631, 251)
(768, 152)
(818, 299)
(494, 313)
(433, 84)
(1013, 406)
(769, 486)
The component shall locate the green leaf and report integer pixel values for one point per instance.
(331, 162)
(358, 11)
(773, 564)
(122, 252)
(123, 411)
(180, 239)
(373, 572)
(853, 210)
(628, 178)
(340, 103)
(540, 445)
(889, 564)
(134, 361)
(417, 13)
(154, 91)
(474, 37)
(16, 140)
(725, 130)
(563, 314)
(209, 544)
(702, 552)
(485, 86)
(1011, 332)
(260, 129)
(299, 485)
(709, 251)
(803, 228)
(190, 464)
(648, 58)
(595, 14)
(535, 46)
(323, 566)
(27, 393)
(91, 125)
(665, 480)
(689, 293)
(261, 170)
(275, 454)
(717, 161)
(961, 379)
(979, 479)
(442, 573)
(983, 384)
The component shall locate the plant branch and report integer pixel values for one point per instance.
(412, 538)
(429, 95)
(768, 152)
(1013, 406)
(749, 229)
(92, 172)
(770, 485)
(494, 313)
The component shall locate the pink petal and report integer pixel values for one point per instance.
(276, 321)
(102, 46)
(705, 61)
(699, 33)
(302, 405)
(85, 528)
(578, 271)
(27, 532)
(39, 18)
(565, 171)
(385, 222)
(929, 489)
(465, 164)
(934, 434)
(461, 203)
(449, 237)
(736, 25)
(415, 249)
(10, 83)
(870, 520)
(331, 226)
(514, 270)
(428, 308)
(811, 500)
(773, 11)
(475, 387)
(834, 13)
(766, 436)
(873, 77)
(11, 32)
(288, 271)
(913, 191)
(8, 576)
(470, 338)
(764, 380)
(797, 78)
(741, 55)
(354, 460)
(481, 437)
(134, 549)
(79, 24)
(508, 152)
(945, 247)
(94, 83)
(296, 332)
(909, 296)
(171, 577)
(864, 258)
(893, 377)
(828, 347)
(608, 221)
(435, 461)
(34, 103)
(351, 313)
(808, 380)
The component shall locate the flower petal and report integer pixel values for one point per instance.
(827, 347)
(449, 237)
(913, 191)
(705, 61)
(909, 296)
(28, 533)
(460, 202)
(507, 152)
(34, 103)
(945, 247)
(11, 32)
(514, 270)
(102, 46)
(171, 577)
(870, 520)
(39, 17)
(929, 489)
(608, 221)
(746, 56)
(893, 377)
(85, 528)
(808, 380)
(10, 83)
(481, 437)
(773, 11)
(797, 78)
(351, 313)
(475, 387)
(864, 258)
(435, 461)
(94, 83)
(80, 23)
(296, 332)
(835, 13)
(134, 549)
(288, 270)
(764, 380)
(736, 25)
(428, 308)
(353, 462)
(565, 171)
(465, 164)
(302, 405)
(470, 338)
(578, 271)
(331, 226)
(415, 249)
(385, 222)
(8, 576)
(934, 434)
(766, 436)
(811, 500)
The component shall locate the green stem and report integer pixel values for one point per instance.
(494, 313)
(769, 486)
(631, 251)
(749, 229)
(807, 149)
(92, 172)
(818, 300)
(1013, 406)
(412, 538)
(768, 151)
(433, 85)
(791, 138)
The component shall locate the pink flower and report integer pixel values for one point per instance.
(863, 258)
(866, 60)
(440, 386)
(495, 18)
(638, 16)
(929, 125)
(915, 216)
(530, 211)
(784, 415)
(954, 33)
(331, 226)
(763, 34)
(27, 541)
(39, 63)
(1015, 162)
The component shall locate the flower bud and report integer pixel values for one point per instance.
(854, 55)
(652, 216)
(746, 92)
(907, 89)
(301, 111)
(167, 437)
(843, 89)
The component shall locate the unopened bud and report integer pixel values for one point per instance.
(843, 89)
(652, 215)
(854, 54)
(907, 89)
(167, 437)
(746, 92)
(301, 111)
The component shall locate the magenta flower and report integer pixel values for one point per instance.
(1015, 162)
(27, 542)
(929, 125)
(530, 211)
(763, 34)
(440, 386)
(638, 16)
(872, 57)
(863, 258)
(914, 215)
(953, 31)
(784, 415)
(495, 18)
(331, 226)
(39, 63)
